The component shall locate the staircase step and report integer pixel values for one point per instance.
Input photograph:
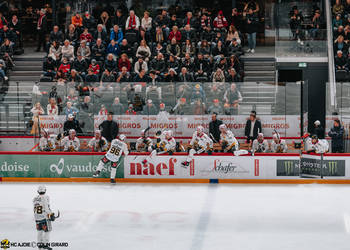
(259, 73)
(26, 73)
(259, 78)
(258, 68)
(29, 63)
(27, 68)
(25, 78)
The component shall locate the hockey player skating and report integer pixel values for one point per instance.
(47, 141)
(228, 141)
(200, 143)
(166, 144)
(71, 142)
(260, 145)
(318, 146)
(144, 143)
(278, 145)
(113, 155)
(43, 217)
(98, 143)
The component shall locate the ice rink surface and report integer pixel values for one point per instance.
(183, 217)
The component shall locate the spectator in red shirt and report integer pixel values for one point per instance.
(94, 67)
(86, 36)
(175, 33)
(124, 62)
(65, 66)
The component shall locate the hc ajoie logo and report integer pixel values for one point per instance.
(5, 244)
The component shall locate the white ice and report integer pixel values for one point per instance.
(183, 217)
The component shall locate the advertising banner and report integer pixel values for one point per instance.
(53, 166)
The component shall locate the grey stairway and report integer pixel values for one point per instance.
(28, 68)
(258, 88)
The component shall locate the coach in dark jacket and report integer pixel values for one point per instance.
(252, 127)
(109, 128)
(214, 127)
(337, 135)
(318, 130)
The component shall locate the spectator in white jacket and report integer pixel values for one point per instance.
(67, 51)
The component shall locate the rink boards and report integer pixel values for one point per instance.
(216, 168)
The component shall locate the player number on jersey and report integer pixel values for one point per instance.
(38, 209)
(115, 150)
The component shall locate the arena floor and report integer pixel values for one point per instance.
(174, 217)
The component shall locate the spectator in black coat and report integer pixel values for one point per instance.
(41, 29)
(126, 49)
(185, 76)
(49, 67)
(337, 135)
(89, 22)
(101, 34)
(56, 35)
(16, 26)
(252, 127)
(9, 34)
(80, 65)
(99, 51)
(109, 128)
(214, 131)
(201, 67)
(340, 61)
(72, 123)
(318, 130)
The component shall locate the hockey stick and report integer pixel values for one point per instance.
(58, 214)
(212, 137)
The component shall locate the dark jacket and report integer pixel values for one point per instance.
(58, 37)
(214, 129)
(337, 135)
(72, 125)
(80, 66)
(109, 130)
(319, 131)
(257, 128)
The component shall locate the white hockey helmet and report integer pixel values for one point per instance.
(97, 132)
(168, 133)
(222, 127)
(200, 129)
(122, 137)
(42, 189)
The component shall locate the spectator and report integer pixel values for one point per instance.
(232, 33)
(214, 131)
(55, 51)
(16, 26)
(103, 111)
(124, 62)
(153, 84)
(72, 123)
(318, 130)
(130, 110)
(117, 107)
(232, 75)
(205, 49)
(91, 77)
(116, 35)
(80, 65)
(188, 62)
(316, 25)
(71, 35)
(99, 51)
(337, 135)
(119, 19)
(84, 50)
(338, 8)
(140, 64)
(124, 75)
(105, 21)
(173, 63)
(340, 61)
(173, 48)
(175, 33)
(220, 22)
(107, 76)
(70, 109)
(340, 45)
(101, 34)
(132, 22)
(150, 109)
(189, 20)
(158, 65)
(185, 76)
(188, 33)
(56, 35)
(67, 51)
(295, 23)
(171, 76)
(65, 66)
(251, 26)
(109, 128)
(174, 21)
(52, 108)
(146, 26)
(162, 21)
(218, 76)
(201, 67)
(126, 49)
(89, 22)
(6, 53)
(252, 127)
(233, 97)
(159, 36)
(86, 108)
(42, 29)
(188, 48)
(141, 77)
(337, 21)
(143, 51)
(86, 36)
(75, 77)
(215, 108)
(77, 21)
(37, 110)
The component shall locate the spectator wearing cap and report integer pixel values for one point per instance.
(337, 135)
(220, 22)
(171, 76)
(109, 128)
(318, 130)
(72, 123)
(42, 30)
(340, 61)
(214, 131)
(130, 110)
(252, 127)
(215, 108)
(117, 107)
(150, 108)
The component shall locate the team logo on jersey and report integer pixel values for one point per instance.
(57, 168)
(5, 244)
